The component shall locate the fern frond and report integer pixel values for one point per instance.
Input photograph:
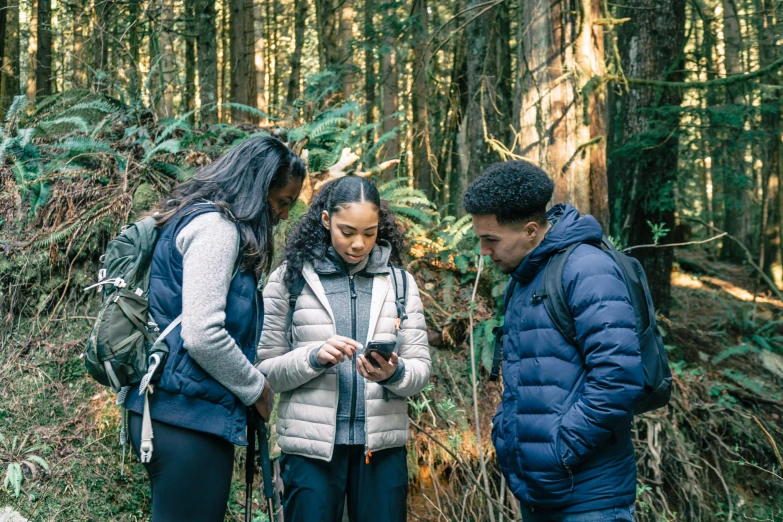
(247, 108)
(20, 102)
(85, 145)
(38, 460)
(171, 146)
(378, 144)
(76, 121)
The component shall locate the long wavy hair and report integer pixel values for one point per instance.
(238, 184)
(310, 240)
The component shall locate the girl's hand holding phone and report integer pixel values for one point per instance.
(369, 372)
(336, 349)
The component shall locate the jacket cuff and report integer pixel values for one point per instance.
(315, 364)
(396, 376)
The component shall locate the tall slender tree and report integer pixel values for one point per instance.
(243, 52)
(295, 63)
(207, 58)
(421, 147)
(43, 71)
(390, 84)
(9, 74)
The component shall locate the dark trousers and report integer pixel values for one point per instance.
(190, 472)
(316, 490)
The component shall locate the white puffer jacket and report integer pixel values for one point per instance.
(307, 412)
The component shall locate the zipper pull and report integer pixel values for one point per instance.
(538, 296)
(571, 476)
(367, 455)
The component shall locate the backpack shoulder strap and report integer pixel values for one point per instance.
(294, 291)
(400, 279)
(555, 300)
(498, 331)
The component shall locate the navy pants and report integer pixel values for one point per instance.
(620, 514)
(190, 472)
(316, 490)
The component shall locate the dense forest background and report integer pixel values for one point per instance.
(662, 118)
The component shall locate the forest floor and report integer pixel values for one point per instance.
(713, 454)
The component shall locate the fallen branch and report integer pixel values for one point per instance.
(748, 255)
(771, 440)
(626, 250)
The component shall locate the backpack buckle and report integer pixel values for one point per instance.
(101, 274)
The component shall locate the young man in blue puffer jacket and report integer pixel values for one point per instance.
(563, 429)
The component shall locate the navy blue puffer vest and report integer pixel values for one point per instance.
(186, 396)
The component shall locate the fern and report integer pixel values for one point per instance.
(99, 105)
(85, 145)
(742, 349)
(19, 103)
(171, 146)
(60, 235)
(378, 144)
(247, 108)
(76, 121)
(326, 127)
(13, 478)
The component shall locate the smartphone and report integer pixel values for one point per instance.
(382, 348)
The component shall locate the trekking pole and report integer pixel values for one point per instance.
(250, 464)
(266, 468)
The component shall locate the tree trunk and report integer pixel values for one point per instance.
(167, 67)
(736, 183)
(260, 60)
(189, 94)
(370, 83)
(326, 12)
(503, 88)
(422, 170)
(103, 9)
(453, 163)
(77, 58)
(43, 59)
(9, 74)
(390, 85)
(275, 52)
(3, 20)
(207, 59)
(347, 15)
(295, 64)
(482, 77)
(558, 131)
(243, 52)
(646, 169)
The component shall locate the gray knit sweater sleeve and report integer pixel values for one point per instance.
(209, 250)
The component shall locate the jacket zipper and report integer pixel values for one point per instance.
(353, 362)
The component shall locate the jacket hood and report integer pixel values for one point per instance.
(376, 263)
(567, 228)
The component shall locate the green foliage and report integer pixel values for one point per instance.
(659, 231)
(16, 456)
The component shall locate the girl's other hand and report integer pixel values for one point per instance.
(370, 372)
(266, 402)
(336, 349)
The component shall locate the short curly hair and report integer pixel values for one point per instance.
(514, 191)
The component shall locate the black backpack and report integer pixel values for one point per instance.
(657, 375)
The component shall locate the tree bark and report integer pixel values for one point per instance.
(347, 15)
(454, 163)
(9, 74)
(562, 117)
(390, 85)
(260, 59)
(645, 171)
(736, 183)
(295, 64)
(243, 67)
(326, 12)
(103, 10)
(370, 83)
(207, 59)
(189, 94)
(43, 59)
(167, 66)
(422, 170)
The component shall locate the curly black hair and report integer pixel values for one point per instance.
(309, 239)
(514, 191)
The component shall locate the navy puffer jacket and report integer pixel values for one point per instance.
(563, 429)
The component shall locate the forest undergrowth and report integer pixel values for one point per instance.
(75, 169)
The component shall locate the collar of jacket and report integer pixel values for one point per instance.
(376, 263)
(566, 227)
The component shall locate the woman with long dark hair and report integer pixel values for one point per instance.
(214, 248)
(343, 416)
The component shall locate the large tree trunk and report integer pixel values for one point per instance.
(390, 85)
(646, 170)
(295, 64)
(243, 67)
(481, 116)
(557, 131)
(77, 59)
(736, 183)
(260, 60)
(9, 75)
(326, 12)
(421, 147)
(43, 59)
(207, 59)
(453, 164)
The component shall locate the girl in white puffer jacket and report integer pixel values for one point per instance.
(343, 423)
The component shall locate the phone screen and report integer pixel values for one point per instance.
(382, 348)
